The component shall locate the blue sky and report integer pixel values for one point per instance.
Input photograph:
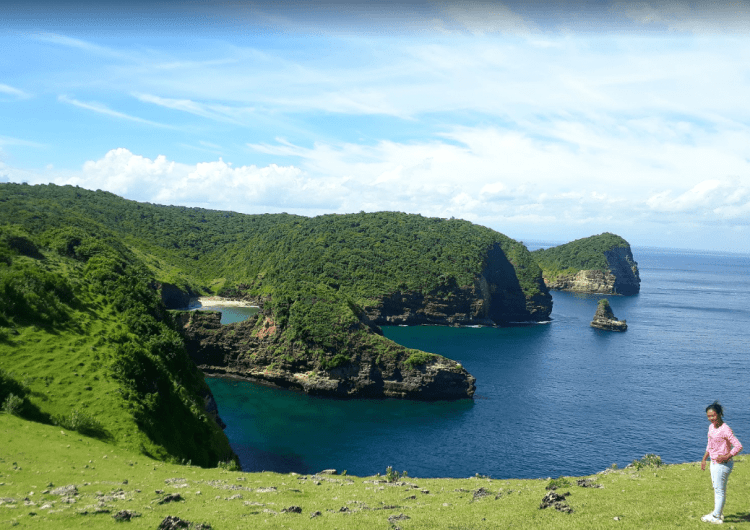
(543, 120)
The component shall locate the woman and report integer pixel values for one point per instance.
(722, 446)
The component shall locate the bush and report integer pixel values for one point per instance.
(649, 460)
(559, 482)
(229, 465)
(418, 359)
(393, 476)
(82, 422)
(12, 404)
(337, 360)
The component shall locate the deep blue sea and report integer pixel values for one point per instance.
(552, 399)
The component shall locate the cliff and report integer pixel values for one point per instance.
(495, 297)
(599, 264)
(255, 350)
(605, 319)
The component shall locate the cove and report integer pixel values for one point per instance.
(552, 399)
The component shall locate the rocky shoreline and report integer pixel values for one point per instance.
(242, 351)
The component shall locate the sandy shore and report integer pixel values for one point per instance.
(215, 301)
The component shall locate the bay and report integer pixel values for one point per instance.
(230, 314)
(552, 399)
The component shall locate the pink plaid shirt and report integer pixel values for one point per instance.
(721, 440)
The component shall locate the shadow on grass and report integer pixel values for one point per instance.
(741, 517)
(83, 423)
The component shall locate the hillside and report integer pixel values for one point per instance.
(86, 344)
(86, 341)
(598, 264)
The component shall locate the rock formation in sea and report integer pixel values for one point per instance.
(605, 319)
(253, 350)
(496, 297)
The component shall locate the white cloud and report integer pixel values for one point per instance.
(101, 108)
(714, 200)
(698, 17)
(222, 113)
(9, 93)
(480, 18)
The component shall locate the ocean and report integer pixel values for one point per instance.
(552, 399)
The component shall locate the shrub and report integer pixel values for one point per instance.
(393, 476)
(559, 482)
(418, 359)
(229, 465)
(337, 360)
(649, 460)
(82, 422)
(12, 404)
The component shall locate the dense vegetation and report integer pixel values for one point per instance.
(79, 272)
(587, 253)
(86, 344)
(314, 268)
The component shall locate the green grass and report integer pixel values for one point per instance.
(33, 456)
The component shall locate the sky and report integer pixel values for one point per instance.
(547, 121)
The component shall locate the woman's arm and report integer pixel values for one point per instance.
(703, 462)
(736, 445)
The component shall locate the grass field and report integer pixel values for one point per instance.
(36, 459)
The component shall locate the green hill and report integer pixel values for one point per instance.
(598, 264)
(587, 253)
(86, 342)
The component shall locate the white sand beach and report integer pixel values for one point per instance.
(216, 301)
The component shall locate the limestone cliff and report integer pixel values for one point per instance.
(256, 351)
(496, 297)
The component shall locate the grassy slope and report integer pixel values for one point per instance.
(77, 338)
(582, 254)
(34, 456)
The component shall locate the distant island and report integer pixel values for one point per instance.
(597, 264)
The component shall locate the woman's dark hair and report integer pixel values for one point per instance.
(716, 407)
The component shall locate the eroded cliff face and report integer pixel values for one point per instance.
(252, 350)
(496, 297)
(621, 278)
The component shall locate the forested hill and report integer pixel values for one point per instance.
(588, 253)
(603, 263)
(364, 255)
(318, 279)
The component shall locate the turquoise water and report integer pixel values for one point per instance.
(230, 315)
(552, 399)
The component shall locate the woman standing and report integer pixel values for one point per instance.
(722, 446)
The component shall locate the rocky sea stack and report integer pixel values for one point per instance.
(605, 319)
